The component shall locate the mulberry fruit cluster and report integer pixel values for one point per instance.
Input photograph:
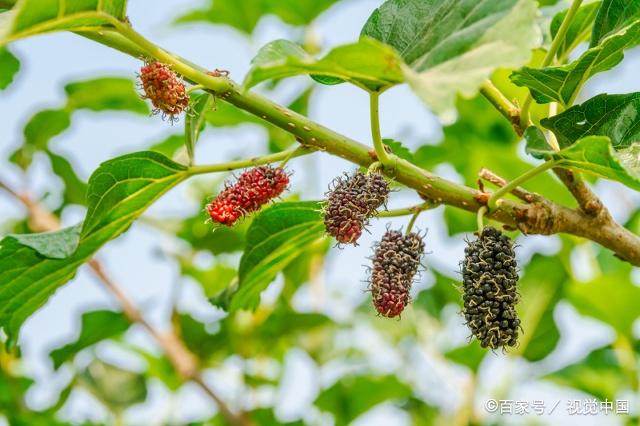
(352, 201)
(395, 263)
(164, 89)
(253, 189)
(490, 276)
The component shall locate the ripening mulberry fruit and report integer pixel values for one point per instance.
(164, 89)
(490, 276)
(254, 188)
(395, 263)
(351, 202)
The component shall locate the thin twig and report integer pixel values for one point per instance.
(499, 181)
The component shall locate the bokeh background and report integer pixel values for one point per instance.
(366, 369)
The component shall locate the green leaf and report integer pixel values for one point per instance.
(453, 46)
(354, 395)
(32, 17)
(53, 245)
(45, 125)
(121, 188)
(563, 83)
(75, 189)
(368, 64)
(274, 239)
(195, 121)
(614, 116)
(95, 327)
(615, 306)
(107, 93)
(444, 291)
(115, 387)
(595, 154)
(612, 16)
(245, 15)
(599, 374)
(195, 336)
(119, 191)
(580, 29)
(169, 146)
(540, 293)
(9, 67)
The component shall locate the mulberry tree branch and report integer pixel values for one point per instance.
(541, 217)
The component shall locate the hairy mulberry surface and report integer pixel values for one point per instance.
(254, 188)
(351, 202)
(164, 89)
(395, 263)
(490, 275)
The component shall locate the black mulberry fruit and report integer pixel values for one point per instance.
(351, 202)
(490, 275)
(395, 263)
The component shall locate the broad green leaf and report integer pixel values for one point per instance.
(195, 120)
(53, 245)
(9, 66)
(169, 146)
(453, 46)
(115, 387)
(580, 29)
(599, 374)
(540, 292)
(367, 64)
(106, 93)
(95, 327)
(563, 83)
(139, 177)
(612, 16)
(610, 298)
(119, 191)
(274, 239)
(75, 189)
(614, 116)
(32, 17)
(595, 154)
(244, 15)
(354, 395)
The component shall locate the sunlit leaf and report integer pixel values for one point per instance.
(32, 17)
(368, 64)
(54, 245)
(115, 387)
(453, 46)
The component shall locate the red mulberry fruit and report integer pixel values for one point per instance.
(253, 189)
(164, 89)
(395, 263)
(351, 202)
(490, 275)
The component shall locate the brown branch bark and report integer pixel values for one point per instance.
(185, 363)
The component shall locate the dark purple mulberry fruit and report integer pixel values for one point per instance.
(395, 263)
(490, 275)
(351, 202)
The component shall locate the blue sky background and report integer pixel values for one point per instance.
(49, 62)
